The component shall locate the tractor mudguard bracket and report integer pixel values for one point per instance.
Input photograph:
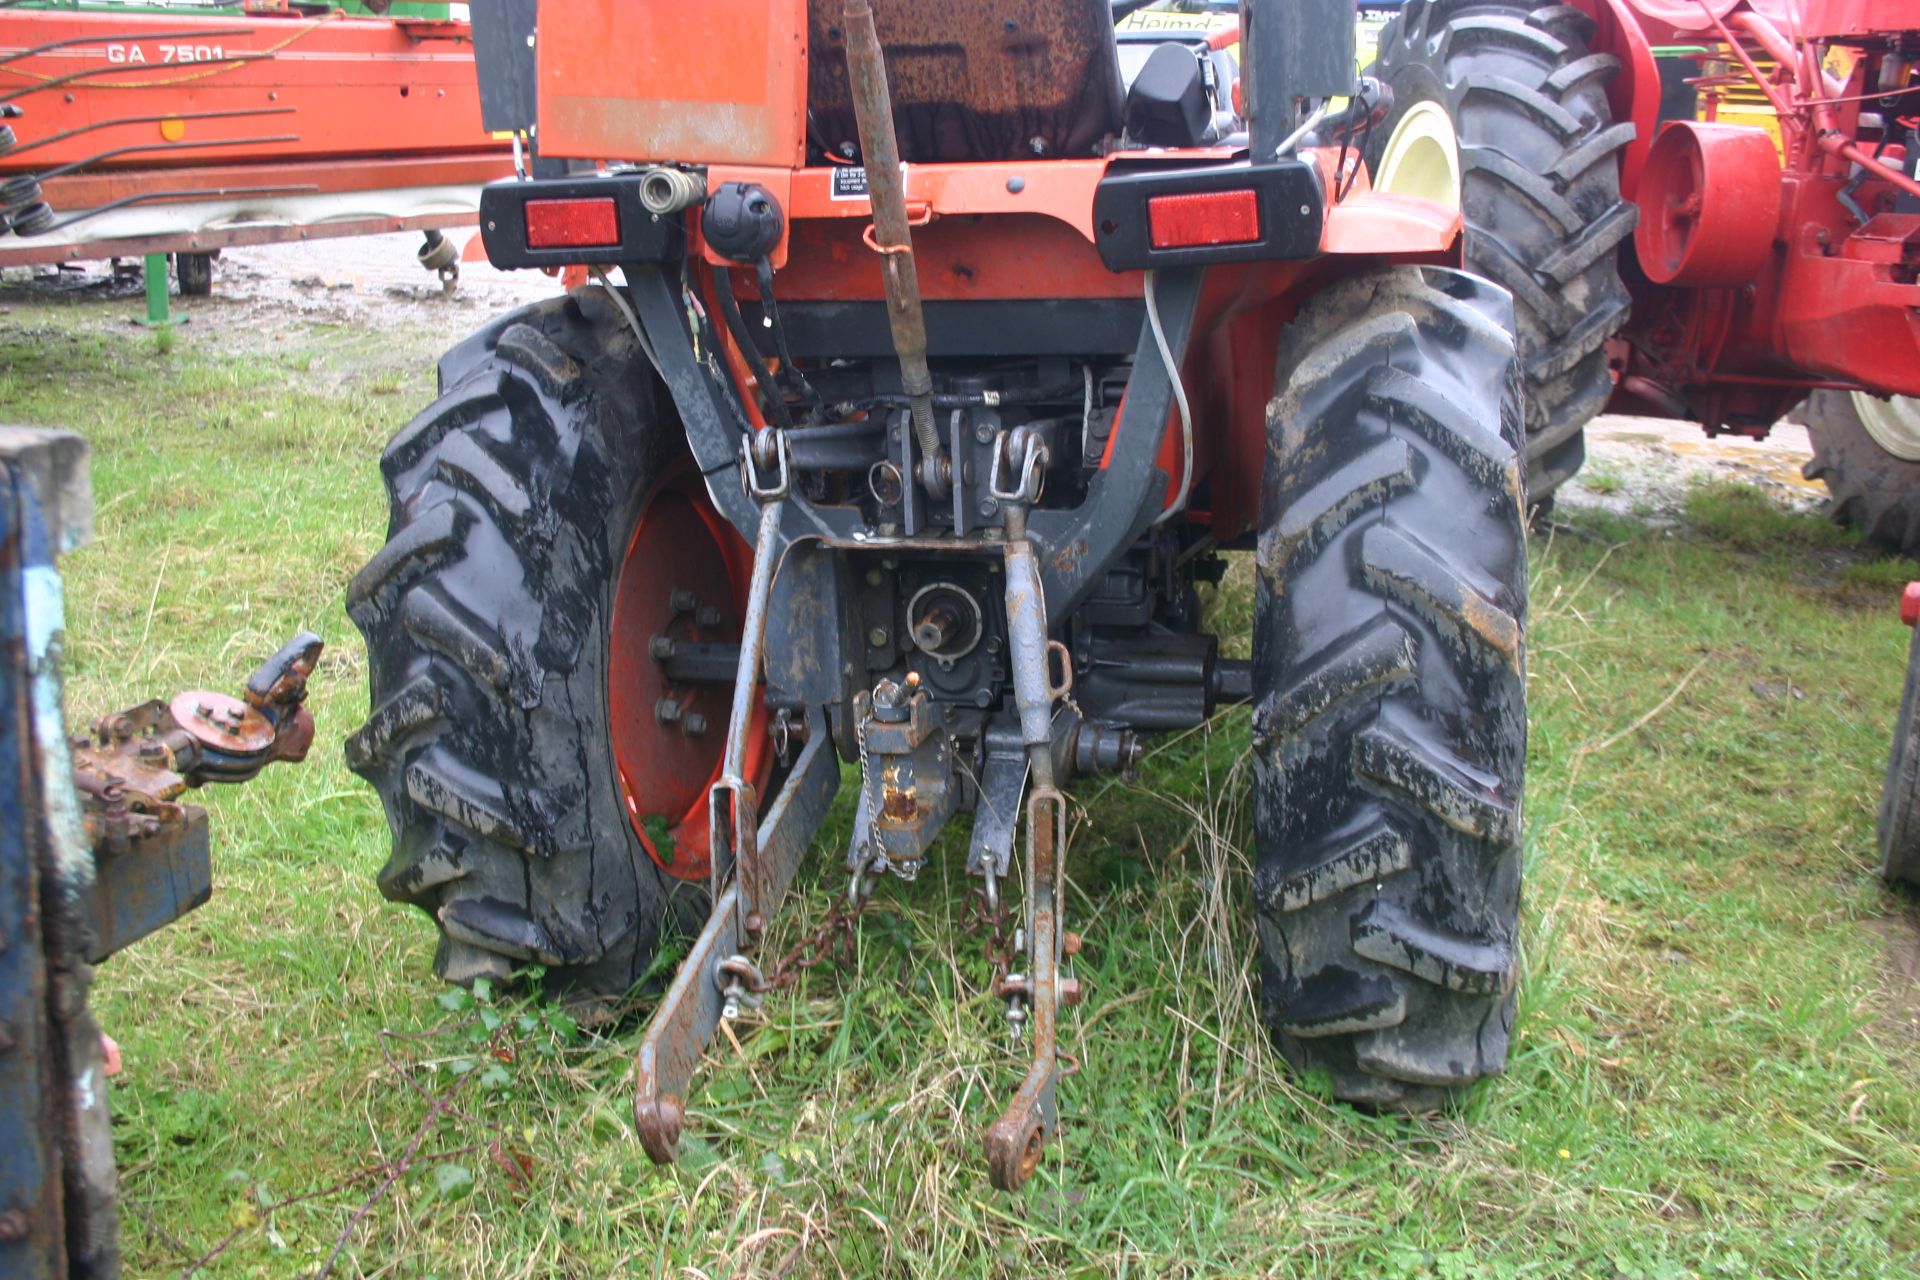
(684, 1024)
(1123, 498)
(714, 419)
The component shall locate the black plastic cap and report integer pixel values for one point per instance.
(742, 222)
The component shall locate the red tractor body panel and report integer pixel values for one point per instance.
(723, 81)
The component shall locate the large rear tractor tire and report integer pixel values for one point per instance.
(1539, 188)
(544, 781)
(1867, 451)
(1390, 693)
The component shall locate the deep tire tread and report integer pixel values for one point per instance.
(1386, 934)
(1345, 1008)
(1394, 761)
(1539, 153)
(487, 740)
(420, 704)
(1383, 653)
(1390, 729)
(1329, 504)
(1376, 853)
(441, 628)
(1870, 489)
(466, 404)
(418, 549)
(436, 785)
(1402, 568)
(466, 463)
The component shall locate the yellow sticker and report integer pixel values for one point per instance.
(173, 130)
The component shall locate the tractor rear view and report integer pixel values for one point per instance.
(1705, 209)
(943, 363)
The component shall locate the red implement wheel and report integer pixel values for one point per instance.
(1866, 450)
(668, 736)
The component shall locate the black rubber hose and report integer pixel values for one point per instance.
(790, 374)
(770, 397)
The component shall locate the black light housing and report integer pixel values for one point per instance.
(1167, 102)
(1153, 216)
(557, 222)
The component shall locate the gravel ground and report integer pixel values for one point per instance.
(1643, 465)
(264, 292)
(1638, 466)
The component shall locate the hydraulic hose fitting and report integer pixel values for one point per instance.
(666, 191)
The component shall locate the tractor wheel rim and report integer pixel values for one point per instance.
(1893, 422)
(665, 766)
(1422, 157)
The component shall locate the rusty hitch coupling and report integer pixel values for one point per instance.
(139, 761)
(152, 862)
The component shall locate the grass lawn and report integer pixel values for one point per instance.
(1715, 1074)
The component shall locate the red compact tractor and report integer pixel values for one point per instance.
(1666, 258)
(943, 360)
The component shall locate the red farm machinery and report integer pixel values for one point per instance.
(163, 131)
(935, 354)
(1705, 210)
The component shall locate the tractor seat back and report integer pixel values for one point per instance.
(975, 79)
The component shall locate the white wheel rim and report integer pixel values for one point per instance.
(1422, 158)
(1894, 423)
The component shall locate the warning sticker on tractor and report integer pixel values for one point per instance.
(849, 182)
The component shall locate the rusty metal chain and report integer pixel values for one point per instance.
(833, 937)
(992, 923)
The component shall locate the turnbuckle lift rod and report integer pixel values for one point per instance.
(684, 1024)
(766, 466)
(1015, 1141)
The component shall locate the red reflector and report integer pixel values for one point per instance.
(572, 224)
(1204, 217)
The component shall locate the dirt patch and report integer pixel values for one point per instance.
(267, 296)
(1643, 466)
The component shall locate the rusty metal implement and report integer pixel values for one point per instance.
(753, 861)
(152, 852)
(688, 1016)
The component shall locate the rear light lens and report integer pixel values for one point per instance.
(1196, 218)
(572, 224)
